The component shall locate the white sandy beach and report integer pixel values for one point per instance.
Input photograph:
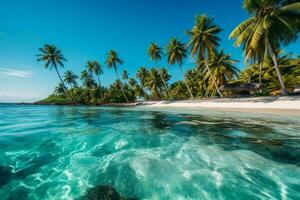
(289, 104)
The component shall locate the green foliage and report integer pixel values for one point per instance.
(56, 100)
(271, 24)
(114, 95)
(179, 91)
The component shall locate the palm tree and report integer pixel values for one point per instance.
(87, 79)
(142, 74)
(70, 78)
(154, 83)
(155, 53)
(222, 67)
(165, 75)
(125, 76)
(112, 61)
(176, 52)
(94, 67)
(52, 58)
(132, 82)
(203, 41)
(271, 23)
(59, 90)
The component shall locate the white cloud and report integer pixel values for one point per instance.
(16, 73)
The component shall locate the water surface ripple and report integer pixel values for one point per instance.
(49, 152)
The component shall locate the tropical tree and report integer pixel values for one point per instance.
(271, 24)
(154, 83)
(142, 74)
(53, 58)
(155, 53)
(70, 78)
(94, 67)
(87, 79)
(125, 76)
(112, 61)
(204, 40)
(176, 52)
(222, 68)
(59, 90)
(132, 82)
(165, 75)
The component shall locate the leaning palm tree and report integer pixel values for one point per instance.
(52, 58)
(271, 24)
(176, 52)
(70, 78)
(59, 90)
(94, 67)
(142, 74)
(155, 53)
(112, 61)
(125, 76)
(204, 40)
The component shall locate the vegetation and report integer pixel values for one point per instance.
(271, 25)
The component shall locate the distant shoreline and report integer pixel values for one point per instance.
(276, 105)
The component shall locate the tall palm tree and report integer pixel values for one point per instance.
(155, 53)
(70, 78)
(204, 40)
(142, 74)
(176, 52)
(125, 76)
(53, 58)
(112, 61)
(94, 67)
(271, 24)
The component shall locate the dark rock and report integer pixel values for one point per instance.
(6, 175)
(103, 192)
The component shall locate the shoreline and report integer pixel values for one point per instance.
(271, 105)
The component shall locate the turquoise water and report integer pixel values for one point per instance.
(49, 152)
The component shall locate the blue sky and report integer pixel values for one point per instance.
(87, 29)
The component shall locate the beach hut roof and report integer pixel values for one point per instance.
(240, 87)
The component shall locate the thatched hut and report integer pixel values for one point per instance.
(241, 89)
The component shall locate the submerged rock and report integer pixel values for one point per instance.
(104, 192)
(6, 175)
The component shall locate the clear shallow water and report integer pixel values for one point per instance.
(49, 152)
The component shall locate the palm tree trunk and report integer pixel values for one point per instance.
(213, 78)
(66, 90)
(186, 82)
(99, 81)
(272, 54)
(165, 85)
(121, 86)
